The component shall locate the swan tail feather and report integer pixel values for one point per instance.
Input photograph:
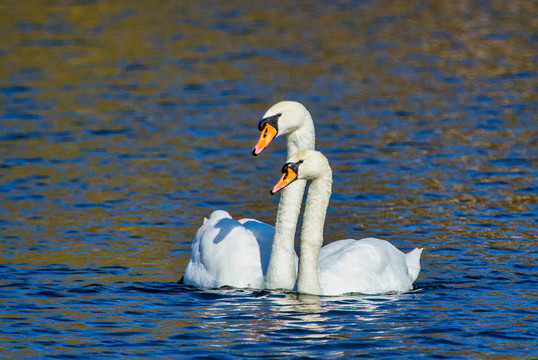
(412, 259)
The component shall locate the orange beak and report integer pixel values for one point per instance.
(268, 134)
(287, 178)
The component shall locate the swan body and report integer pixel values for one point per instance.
(247, 253)
(367, 266)
(228, 252)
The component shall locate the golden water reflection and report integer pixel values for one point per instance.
(135, 121)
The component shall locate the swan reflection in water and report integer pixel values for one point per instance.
(264, 315)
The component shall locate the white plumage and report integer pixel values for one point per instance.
(228, 252)
(367, 266)
(247, 253)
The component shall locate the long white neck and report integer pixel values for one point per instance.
(281, 272)
(317, 202)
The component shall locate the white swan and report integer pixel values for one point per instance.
(367, 266)
(228, 252)
(288, 118)
(242, 253)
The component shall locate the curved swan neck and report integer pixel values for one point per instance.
(317, 202)
(281, 272)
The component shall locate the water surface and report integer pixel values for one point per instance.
(123, 124)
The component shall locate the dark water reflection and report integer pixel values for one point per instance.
(123, 124)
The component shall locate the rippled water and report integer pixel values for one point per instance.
(124, 123)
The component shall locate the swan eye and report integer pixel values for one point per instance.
(271, 120)
(285, 167)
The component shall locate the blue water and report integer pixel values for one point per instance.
(124, 123)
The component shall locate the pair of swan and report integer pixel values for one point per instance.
(247, 253)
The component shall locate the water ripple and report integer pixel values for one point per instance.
(122, 129)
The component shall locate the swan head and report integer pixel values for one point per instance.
(304, 165)
(282, 118)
